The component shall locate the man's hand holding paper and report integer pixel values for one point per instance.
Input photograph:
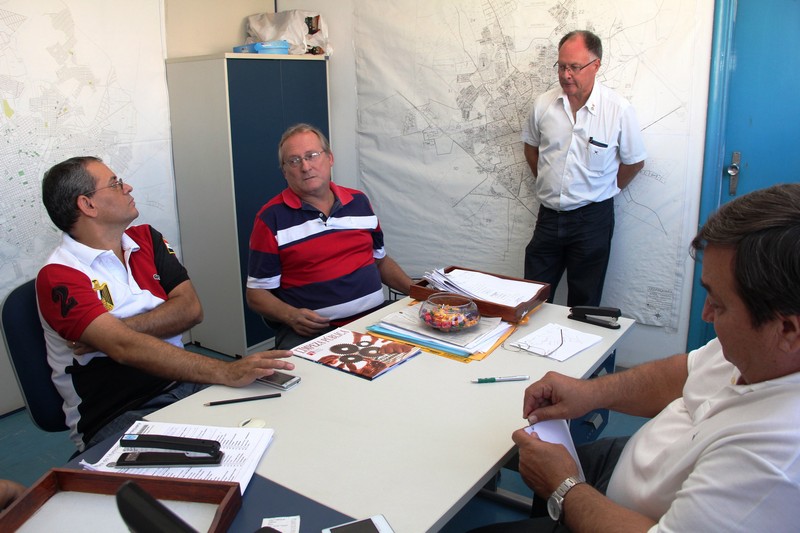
(557, 396)
(547, 455)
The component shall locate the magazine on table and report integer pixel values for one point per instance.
(361, 354)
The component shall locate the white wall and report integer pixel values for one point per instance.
(201, 27)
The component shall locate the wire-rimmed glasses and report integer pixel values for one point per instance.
(297, 160)
(118, 183)
(572, 69)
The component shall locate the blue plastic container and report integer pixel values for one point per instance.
(267, 47)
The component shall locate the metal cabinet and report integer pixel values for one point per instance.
(228, 112)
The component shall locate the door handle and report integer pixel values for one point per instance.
(733, 172)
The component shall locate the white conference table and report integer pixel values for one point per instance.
(415, 444)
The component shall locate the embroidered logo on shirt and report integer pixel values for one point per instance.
(169, 248)
(104, 294)
(61, 295)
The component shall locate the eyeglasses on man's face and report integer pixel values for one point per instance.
(296, 161)
(118, 184)
(572, 69)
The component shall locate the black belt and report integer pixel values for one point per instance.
(595, 205)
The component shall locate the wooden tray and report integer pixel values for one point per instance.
(421, 291)
(225, 494)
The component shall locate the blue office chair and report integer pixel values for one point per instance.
(24, 340)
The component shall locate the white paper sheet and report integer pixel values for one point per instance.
(556, 342)
(243, 448)
(483, 286)
(557, 432)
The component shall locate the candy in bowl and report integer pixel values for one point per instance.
(449, 312)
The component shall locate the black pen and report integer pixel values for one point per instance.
(247, 399)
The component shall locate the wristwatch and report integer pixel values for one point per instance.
(555, 504)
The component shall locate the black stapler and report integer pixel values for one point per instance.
(185, 451)
(599, 316)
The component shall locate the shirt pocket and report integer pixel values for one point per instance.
(598, 153)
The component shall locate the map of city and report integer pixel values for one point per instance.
(78, 80)
(443, 90)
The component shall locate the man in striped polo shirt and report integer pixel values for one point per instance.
(317, 259)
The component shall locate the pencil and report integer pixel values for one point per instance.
(247, 399)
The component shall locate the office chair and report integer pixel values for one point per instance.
(24, 340)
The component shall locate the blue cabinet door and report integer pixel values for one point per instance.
(265, 98)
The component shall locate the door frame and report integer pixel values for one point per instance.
(715, 153)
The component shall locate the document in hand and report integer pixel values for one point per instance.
(360, 354)
(557, 432)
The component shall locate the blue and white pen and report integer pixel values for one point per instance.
(501, 379)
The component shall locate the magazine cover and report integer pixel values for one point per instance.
(361, 354)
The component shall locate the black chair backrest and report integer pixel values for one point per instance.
(24, 339)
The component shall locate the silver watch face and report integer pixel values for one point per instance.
(554, 507)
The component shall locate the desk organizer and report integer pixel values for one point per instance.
(226, 495)
(421, 291)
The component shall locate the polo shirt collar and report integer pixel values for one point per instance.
(291, 199)
(790, 380)
(87, 255)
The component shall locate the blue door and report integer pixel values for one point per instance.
(753, 131)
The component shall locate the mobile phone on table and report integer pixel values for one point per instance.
(280, 380)
(373, 524)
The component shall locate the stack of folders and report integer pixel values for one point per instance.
(481, 286)
(405, 325)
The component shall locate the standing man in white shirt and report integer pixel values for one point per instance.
(583, 144)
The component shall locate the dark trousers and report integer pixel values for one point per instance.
(577, 241)
(598, 460)
(126, 419)
(286, 338)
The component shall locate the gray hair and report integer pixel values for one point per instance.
(302, 128)
(592, 42)
(62, 185)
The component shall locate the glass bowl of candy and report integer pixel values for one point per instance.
(449, 312)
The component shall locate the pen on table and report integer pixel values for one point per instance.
(247, 399)
(501, 379)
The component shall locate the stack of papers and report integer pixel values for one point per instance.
(407, 326)
(482, 286)
(242, 448)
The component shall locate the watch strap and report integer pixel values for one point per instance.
(566, 485)
(557, 498)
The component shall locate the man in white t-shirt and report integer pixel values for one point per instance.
(722, 451)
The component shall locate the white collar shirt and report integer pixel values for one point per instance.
(579, 156)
